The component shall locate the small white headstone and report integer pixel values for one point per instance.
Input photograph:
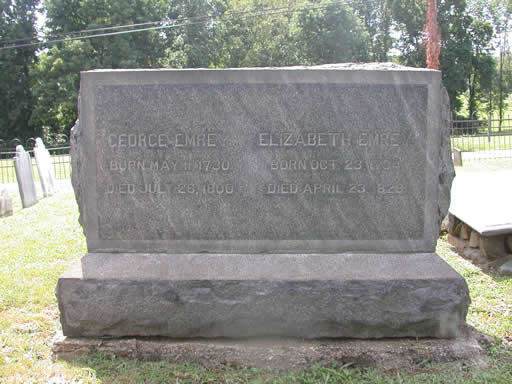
(45, 168)
(5, 202)
(26, 185)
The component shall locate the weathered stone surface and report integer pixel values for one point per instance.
(457, 242)
(465, 232)
(508, 243)
(506, 268)
(25, 177)
(199, 295)
(299, 202)
(493, 247)
(45, 168)
(457, 157)
(474, 255)
(284, 354)
(474, 239)
(5, 202)
(446, 169)
(321, 160)
(453, 223)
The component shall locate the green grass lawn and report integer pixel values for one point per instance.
(37, 244)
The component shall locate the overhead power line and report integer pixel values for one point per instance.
(99, 29)
(166, 21)
(56, 35)
(168, 24)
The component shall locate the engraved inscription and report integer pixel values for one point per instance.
(334, 164)
(182, 189)
(153, 140)
(310, 139)
(329, 139)
(313, 189)
(253, 162)
(170, 165)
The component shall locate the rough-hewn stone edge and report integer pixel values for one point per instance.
(384, 66)
(76, 165)
(283, 354)
(413, 302)
(446, 169)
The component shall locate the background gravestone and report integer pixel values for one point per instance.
(300, 202)
(25, 177)
(45, 168)
(5, 202)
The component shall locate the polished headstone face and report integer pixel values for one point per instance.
(293, 160)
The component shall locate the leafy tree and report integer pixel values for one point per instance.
(193, 44)
(456, 49)
(56, 85)
(377, 19)
(141, 49)
(255, 40)
(331, 35)
(482, 63)
(17, 21)
(57, 74)
(409, 19)
(499, 14)
(292, 35)
(465, 59)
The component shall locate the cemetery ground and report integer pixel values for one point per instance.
(39, 243)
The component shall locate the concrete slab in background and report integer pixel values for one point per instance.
(483, 200)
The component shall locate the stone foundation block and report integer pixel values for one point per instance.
(247, 295)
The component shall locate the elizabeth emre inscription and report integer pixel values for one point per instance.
(210, 198)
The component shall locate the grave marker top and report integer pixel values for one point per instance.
(25, 177)
(323, 159)
(5, 202)
(45, 168)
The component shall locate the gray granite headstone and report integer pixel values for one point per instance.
(5, 202)
(245, 202)
(25, 177)
(45, 168)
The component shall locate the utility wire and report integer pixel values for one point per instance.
(166, 21)
(54, 35)
(167, 24)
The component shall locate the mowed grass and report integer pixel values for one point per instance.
(37, 244)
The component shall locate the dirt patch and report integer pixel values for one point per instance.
(286, 354)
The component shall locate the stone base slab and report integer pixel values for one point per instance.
(255, 295)
(284, 354)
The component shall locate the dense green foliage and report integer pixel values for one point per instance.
(17, 19)
(40, 83)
